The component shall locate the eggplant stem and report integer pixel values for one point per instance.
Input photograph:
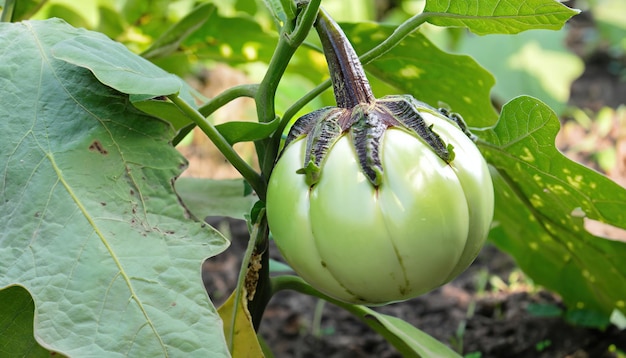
(350, 84)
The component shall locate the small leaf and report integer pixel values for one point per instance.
(542, 201)
(169, 41)
(238, 328)
(494, 16)
(116, 66)
(281, 10)
(209, 197)
(417, 67)
(164, 110)
(16, 325)
(238, 131)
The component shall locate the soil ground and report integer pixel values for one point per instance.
(491, 310)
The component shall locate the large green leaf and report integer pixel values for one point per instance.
(16, 325)
(92, 226)
(543, 200)
(495, 16)
(419, 68)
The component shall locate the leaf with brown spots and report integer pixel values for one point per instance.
(100, 242)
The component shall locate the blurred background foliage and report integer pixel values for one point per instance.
(540, 63)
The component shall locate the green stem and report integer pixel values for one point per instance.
(254, 179)
(295, 283)
(248, 90)
(402, 31)
(290, 39)
(7, 11)
(292, 35)
(215, 103)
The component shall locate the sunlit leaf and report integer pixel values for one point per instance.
(281, 10)
(164, 110)
(92, 227)
(543, 200)
(495, 16)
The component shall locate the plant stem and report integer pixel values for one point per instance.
(248, 90)
(292, 35)
(215, 103)
(254, 179)
(7, 11)
(350, 84)
(402, 31)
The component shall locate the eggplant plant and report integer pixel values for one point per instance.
(370, 199)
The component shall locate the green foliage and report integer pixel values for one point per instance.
(497, 17)
(543, 199)
(93, 229)
(115, 66)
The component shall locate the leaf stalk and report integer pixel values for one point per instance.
(254, 179)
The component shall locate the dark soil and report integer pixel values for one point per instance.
(491, 310)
